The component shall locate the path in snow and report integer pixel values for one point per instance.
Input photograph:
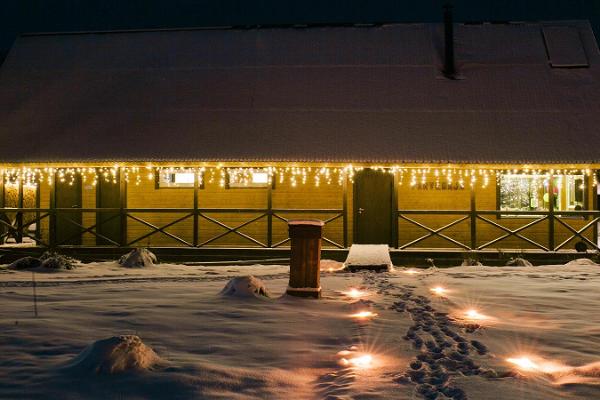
(442, 351)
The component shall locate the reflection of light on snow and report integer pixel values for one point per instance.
(363, 315)
(356, 359)
(355, 293)
(362, 362)
(438, 290)
(475, 315)
(523, 363)
(534, 364)
(411, 271)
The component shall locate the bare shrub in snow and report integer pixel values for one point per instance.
(470, 259)
(138, 258)
(245, 286)
(25, 263)
(118, 354)
(470, 262)
(518, 262)
(55, 262)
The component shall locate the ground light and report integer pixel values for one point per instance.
(355, 359)
(439, 290)
(411, 271)
(363, 315)
(535, 364)
(474, 315)
(523, 363)
(355, 293)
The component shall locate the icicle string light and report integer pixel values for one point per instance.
(438, 178)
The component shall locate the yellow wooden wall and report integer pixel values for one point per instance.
(411, 198)
(213, 195)
(285, 196)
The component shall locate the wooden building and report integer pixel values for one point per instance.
(477, 138)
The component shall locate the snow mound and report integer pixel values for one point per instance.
(368, 256)
(138, 258)
(25, 263)
(245, 286)
(118, 354)
(581, 261)
(331, 265)
(518, 262)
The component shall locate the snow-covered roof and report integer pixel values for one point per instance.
(338, 94)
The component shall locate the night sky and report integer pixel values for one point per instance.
(18, 16)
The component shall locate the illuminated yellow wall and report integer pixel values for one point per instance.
(287, 196)
(412, 198)
(213, 196)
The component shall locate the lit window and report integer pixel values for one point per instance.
(518, 192)
(575, 192)
(248, 178)
(175, 179)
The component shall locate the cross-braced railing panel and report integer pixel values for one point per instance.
(582, 233)
(443, 223)
(16, 224)
(541, 230)
(231, 223)
(328, 216)
(512, 232)
(158, 224)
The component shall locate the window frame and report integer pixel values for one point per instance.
(228, 185)
(158, 187)
(556, 211)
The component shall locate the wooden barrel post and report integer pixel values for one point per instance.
(305, 260)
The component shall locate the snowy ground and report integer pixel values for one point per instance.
(545, 318)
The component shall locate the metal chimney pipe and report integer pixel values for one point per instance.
(449, 65)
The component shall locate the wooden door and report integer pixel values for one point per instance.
(108, 223)
(373, 207)
(68, 195)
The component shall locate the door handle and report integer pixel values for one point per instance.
(360, 210)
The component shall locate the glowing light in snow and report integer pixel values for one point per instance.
(438, 290)
(523, 363)
(475, 315)
(355, 293)
(558, 371)
(411, 271)
(363, 315)
(362, 362)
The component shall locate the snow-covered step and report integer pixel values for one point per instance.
(368, 256)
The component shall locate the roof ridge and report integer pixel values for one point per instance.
(290, 26)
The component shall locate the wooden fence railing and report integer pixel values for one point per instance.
(510, 225)
(12, 224)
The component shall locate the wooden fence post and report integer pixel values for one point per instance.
(53, 217)
(122, 207)
(2, 213)
(473, 218)
(19, 216)
(305, 259)
(270, 212)
(195, 219)
(551, 213)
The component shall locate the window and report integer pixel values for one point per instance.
(518, 192)
(575, 192)
(248, 178)
(169, 179)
